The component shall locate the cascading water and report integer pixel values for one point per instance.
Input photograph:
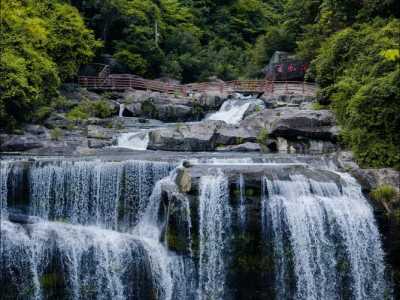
(4, 170)
(124, 230)
(134, 140)
(214, 229)
(121, 110)
(233, 111)
(242, 200)
(326, 242)
(105, 194)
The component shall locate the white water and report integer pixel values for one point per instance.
(117, 260)
(231, 111)
(4, 170)
(134, 140)
(242, 202)
(90, 192)
(215, 222)
(324, 234)
(121, 110)
(328, 234)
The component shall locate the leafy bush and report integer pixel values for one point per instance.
(87, 109)
(385, 193)
(262, 136)
(364, 87)
(56, 134)
(42, 44)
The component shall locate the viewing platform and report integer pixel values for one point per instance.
(105, 81)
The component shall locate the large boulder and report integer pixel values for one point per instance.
(202, 136)
(19, 143)
(57, 120)
(166, 108)
(185, 137)
(229, 134)
(294, 123)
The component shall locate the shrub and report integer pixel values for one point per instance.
(56, 134)
(87, 109)
(262, 136)
(385, 193)
(77, 114)
(101, 109)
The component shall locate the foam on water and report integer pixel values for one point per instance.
(215, 223)
(325, 237)
(134, 140)
(231, 111)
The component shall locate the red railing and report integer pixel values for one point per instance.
(127, 81)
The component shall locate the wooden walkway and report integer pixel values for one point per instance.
(121, 82)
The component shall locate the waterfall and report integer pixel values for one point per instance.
(242, 200)
(56, 261)
(106, 194)
(134, 140)
(121, 110)
(231, 111)
(59, 260)
(215, 221)
(4, 170)
(327, 245)
(109, 229)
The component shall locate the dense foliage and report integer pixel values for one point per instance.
(42, 44)
(358, 70)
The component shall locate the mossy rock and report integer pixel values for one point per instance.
(149, 109)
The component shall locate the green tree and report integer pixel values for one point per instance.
(32, 63)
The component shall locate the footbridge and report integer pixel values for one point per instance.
(121, 82)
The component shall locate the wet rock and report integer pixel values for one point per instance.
(163, 107)
(245, 147)
(35, 129)
(57, 120)
(22, 218)
(304, 146)
(183, 180)
(234, 135)
(99, 132)
(369, 179)
(292, 122)
(99, 143)
(185, 137)
(19, 143)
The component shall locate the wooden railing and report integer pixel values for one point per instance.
(125, 82)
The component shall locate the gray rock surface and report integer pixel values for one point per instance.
(245, 147)
(292, 123)
(368, 178)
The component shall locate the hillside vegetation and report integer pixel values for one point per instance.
(353, 47)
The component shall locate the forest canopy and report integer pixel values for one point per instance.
(352, 47)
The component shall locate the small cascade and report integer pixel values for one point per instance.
(134, 140)
(121, 110)
(4, 171)
(231, 111)
(326, 243)
(242, 200)
(177, 271)
(215, 223)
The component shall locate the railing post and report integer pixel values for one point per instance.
(286, 88)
